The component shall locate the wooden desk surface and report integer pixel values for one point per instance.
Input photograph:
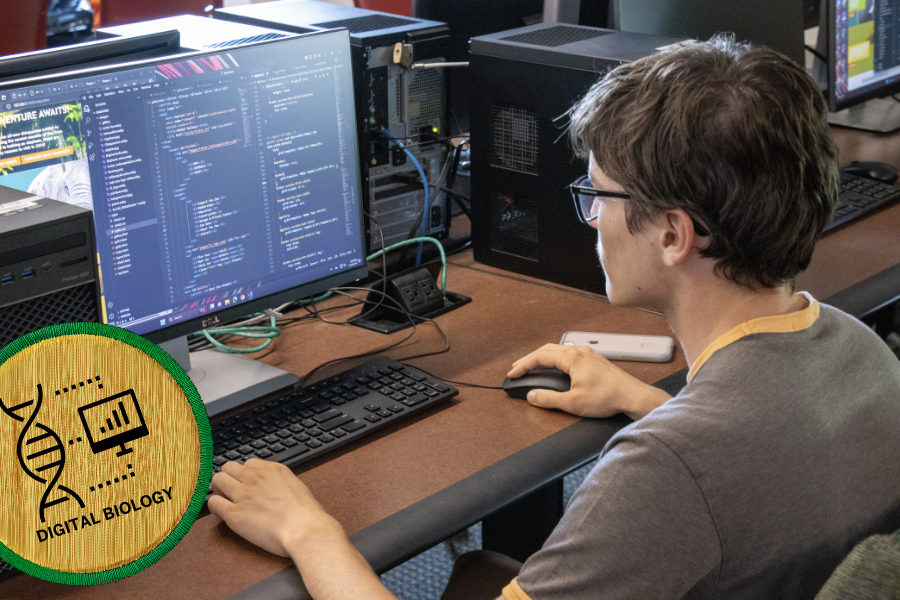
(368, 481)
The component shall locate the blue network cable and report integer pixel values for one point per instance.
(421, 171)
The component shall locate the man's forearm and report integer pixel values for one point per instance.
(333, 569)
(640, 407)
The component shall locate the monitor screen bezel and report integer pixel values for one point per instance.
(834, 103)
(103, 51)
(255, 305)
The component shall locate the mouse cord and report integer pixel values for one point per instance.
(476, 385)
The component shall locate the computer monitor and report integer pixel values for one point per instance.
(863, 50)
(86, 55)
(222, 184)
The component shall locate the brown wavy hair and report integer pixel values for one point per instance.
(734, 134)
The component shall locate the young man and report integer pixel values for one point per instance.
(712, 174)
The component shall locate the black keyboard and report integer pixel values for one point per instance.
(305, 423)
(860, 196)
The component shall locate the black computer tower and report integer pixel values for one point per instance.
(48, 274)
(410, 104)
(523, 83)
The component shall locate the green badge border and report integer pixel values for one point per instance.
(206, 453)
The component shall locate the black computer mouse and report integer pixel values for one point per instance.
(546, 378)
(873, 170)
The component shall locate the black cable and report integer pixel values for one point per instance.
(457, 194)
(459, 203)
(815, 53)
(477, 385)
(384, 348)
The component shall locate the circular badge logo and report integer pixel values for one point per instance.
(105, 453)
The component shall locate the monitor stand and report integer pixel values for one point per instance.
(226, 380)
(879, 114)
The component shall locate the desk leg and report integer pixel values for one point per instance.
(520, 529)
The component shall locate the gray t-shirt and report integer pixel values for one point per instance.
(755, 481)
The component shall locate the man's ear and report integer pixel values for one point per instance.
(678, 240)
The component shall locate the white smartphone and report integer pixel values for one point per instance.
(623, 346)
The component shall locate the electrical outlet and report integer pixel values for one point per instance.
(416, 291)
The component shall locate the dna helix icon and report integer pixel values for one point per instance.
(43, 463)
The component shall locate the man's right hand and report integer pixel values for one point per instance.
(599, 388)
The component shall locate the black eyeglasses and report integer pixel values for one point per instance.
(586, 197)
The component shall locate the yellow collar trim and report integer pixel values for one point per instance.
(514, 592)
(795, 321)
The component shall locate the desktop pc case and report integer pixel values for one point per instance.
(47, 268)
(523, 82)
(411, 104)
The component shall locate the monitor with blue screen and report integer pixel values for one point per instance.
(222, 183)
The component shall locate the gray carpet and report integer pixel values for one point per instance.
(424, 577)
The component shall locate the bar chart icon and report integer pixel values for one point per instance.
(113, 421)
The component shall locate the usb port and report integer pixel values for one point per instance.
(27, 273)
(8, 278)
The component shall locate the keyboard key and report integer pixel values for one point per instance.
(338, 433)
(276, 448)
(258, 444)
(384, 414)
(271, 439)
(245, 450)
(308, 423)
(354, 426)
(313, 443)
(372, 407)
(219, 461)
(414, 376)
(328, 414)
(264, 453)
(289, 442)
(325, 438)
(395, 408)
(283, 433)
(314, 431)
(413, 400)
(335, 423)
(373, 418)
(301, 437)
(320, 408)
(296, 429)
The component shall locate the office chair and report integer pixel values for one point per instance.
(871, 570)
(27, 30)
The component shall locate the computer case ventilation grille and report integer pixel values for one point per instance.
(514, 226)
(426, 101)
(72, 305)
(555, 36)
(514, 139)
(247, 40)
(367, 23)
(396, 103)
